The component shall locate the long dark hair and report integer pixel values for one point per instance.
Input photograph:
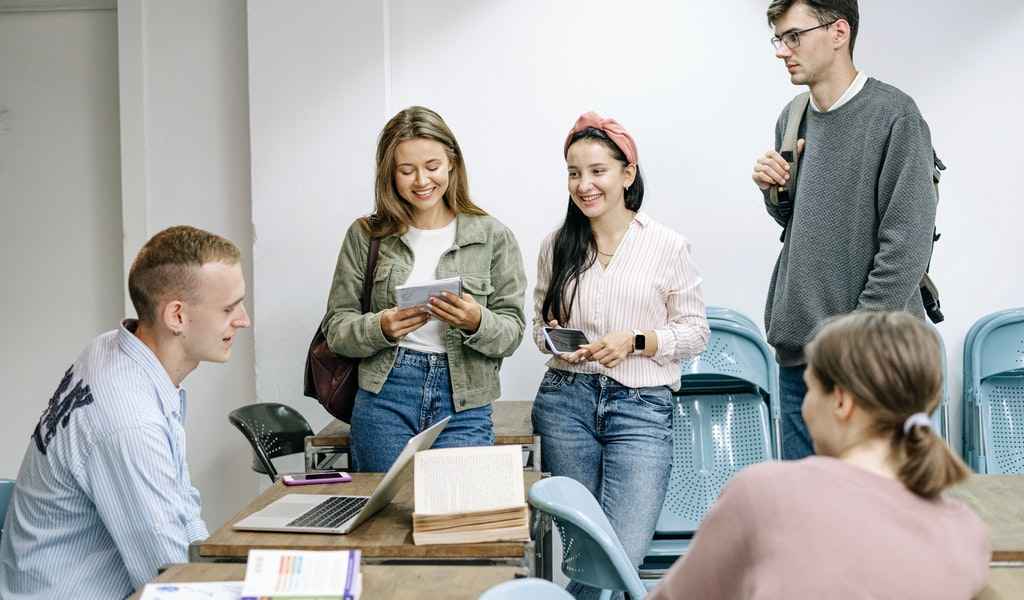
(574, 249)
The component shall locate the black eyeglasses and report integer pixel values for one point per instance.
(792, 38)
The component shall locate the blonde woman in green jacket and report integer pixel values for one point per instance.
(421, 365)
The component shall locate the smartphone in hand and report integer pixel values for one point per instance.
(562, 340)
(316, 478)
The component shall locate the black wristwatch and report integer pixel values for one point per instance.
(639, 341)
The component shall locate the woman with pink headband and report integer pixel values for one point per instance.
(604, 411)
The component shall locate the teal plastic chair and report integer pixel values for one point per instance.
(726, 417)
(994, 393)
(530, 588)
(272, 430)
(6, 489)
(591, 551)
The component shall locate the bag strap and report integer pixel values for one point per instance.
(371, 268)
(797, 108)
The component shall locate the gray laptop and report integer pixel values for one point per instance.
(320, 513)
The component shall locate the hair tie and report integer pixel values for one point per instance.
(916, 420)
(615, 132)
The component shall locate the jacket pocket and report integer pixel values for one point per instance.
(477, 286)
(382, 295)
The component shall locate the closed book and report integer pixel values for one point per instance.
(302, 575)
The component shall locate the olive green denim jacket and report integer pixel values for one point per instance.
(485, 254)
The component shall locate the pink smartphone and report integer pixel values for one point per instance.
(316, 478)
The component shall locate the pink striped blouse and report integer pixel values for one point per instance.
(650, 284)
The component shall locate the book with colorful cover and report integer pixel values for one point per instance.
(302, 575)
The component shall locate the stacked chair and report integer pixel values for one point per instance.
(993, 393)
(726, 417)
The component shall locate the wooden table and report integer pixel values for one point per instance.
(999, 501)
(513, 425)
(384, 537)
(398, 582)
(1004, 583)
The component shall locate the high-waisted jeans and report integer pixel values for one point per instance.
(615, 440)
(417, 394)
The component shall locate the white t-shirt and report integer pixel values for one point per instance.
(428, 245)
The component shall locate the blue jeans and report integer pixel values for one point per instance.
(796, 440)
(616, 441)
(417, 394)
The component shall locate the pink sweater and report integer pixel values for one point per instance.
(821, 528)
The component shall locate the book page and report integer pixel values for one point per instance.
(457, 480)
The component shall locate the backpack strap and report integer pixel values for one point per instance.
(781, 195)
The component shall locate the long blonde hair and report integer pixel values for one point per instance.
(891, 363)
(393, 215)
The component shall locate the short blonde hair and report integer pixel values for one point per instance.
(166, 266)
(891, 363)
(393, 215)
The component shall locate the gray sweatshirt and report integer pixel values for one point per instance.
(863, 217)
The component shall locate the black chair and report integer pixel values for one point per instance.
(272, 430)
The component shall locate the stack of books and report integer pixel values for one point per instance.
(309, 575)
(469, 495)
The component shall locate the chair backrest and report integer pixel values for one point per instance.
(736, 359)
(529, 587)
(714, 436)
(6, 489)
(993, 393)
(728, 314)
(272, 430)
(591, 551)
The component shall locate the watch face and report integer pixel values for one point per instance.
(639, 342)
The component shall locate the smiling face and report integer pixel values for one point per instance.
(216, 313)
(809, 61)
(421, 176)
(597, 180)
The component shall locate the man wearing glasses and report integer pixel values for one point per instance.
(858, 233)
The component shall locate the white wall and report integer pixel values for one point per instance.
(185, 148)
(60, 220)
(317, 96)
(695, 82)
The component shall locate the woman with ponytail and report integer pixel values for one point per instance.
(604, 411)
(867, 517)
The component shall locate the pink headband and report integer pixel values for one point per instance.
(617, 133)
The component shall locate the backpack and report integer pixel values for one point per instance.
(782, 198)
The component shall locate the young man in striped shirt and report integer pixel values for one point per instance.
(103, 496)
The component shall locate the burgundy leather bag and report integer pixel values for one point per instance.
(334, 379)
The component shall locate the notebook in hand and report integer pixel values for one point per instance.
(318, 513)
(468, 495)
(419, 294)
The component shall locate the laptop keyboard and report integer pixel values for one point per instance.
(331, 512)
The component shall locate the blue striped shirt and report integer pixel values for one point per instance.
(103, 496)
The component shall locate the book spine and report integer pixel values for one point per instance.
(353, 564)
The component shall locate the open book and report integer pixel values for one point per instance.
(467, 495)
